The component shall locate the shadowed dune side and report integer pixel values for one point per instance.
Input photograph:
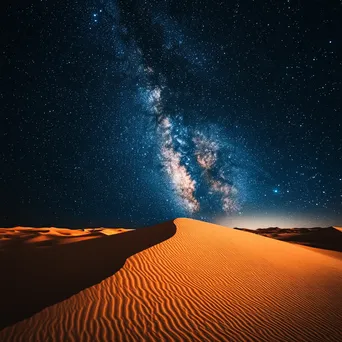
(325, 238)
(34, 278)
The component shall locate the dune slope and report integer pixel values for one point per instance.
(35, 275)
(204, 283)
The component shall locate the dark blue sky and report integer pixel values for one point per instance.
(134, 112)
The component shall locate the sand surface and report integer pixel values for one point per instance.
(179, 281)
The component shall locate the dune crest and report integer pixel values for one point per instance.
(204, 283)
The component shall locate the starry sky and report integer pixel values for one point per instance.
(129, 113)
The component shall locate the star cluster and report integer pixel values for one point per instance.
(134, 112)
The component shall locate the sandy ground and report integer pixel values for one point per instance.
(184, 280)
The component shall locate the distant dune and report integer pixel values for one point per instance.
(23, 237)
(184, 280)
(338, 228)
(329, 238)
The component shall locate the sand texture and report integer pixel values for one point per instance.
(184, 280)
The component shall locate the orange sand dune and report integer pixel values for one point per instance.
(43, 237)
(180, 281)
(333, 254)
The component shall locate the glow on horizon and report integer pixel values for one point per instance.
(273, 220)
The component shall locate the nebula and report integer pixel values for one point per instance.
(181, 179)
(196, 160)
(196, 163)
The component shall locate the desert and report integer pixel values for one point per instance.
(182, 280)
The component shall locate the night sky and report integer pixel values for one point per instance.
(129, 113)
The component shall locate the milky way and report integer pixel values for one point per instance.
(196, 159)
(183, 150)
(200, 163)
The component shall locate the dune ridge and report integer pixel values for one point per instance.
(204, 283)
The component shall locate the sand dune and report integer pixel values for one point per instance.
(35, 278)
(329, 238)
(22, 237)
(180, 281)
